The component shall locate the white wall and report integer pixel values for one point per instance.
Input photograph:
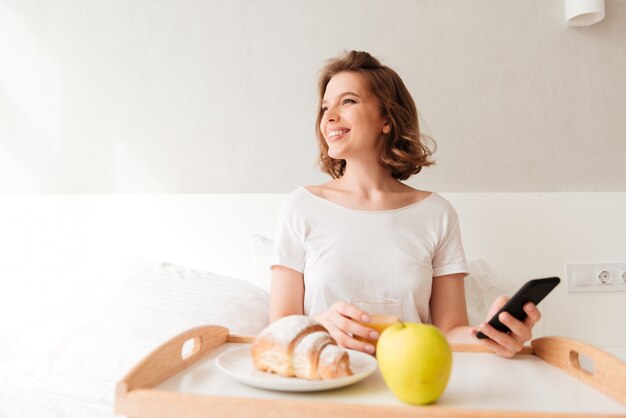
(219, 96)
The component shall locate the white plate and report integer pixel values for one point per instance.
(237, 363)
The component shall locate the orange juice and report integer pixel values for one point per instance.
(379, 323)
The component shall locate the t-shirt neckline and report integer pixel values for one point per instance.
(410, 205)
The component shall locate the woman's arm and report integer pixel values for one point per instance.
(449, 314)
(448, 310)
(286, 293)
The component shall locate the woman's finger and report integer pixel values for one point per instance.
(365, 347)
(492, 345)
(533, 315)
(344, 340)
(351, 311)
(351, 327)
(342, 327)
(353, 321)
(508, 344)
(519, 330)
(496, 305)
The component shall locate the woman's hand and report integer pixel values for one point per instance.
(507, 345)
(340, 321)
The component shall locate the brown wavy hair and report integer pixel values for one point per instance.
(404, 149)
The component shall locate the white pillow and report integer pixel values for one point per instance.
(262, 249)
(102, 338)
(482, 287)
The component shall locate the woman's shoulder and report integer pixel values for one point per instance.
(442, 205)
(428, 200)
(295, 200)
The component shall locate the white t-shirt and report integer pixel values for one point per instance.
(346, 253)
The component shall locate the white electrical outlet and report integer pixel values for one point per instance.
(604, 276)
(596, 277)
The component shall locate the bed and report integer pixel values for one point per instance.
(94, 283)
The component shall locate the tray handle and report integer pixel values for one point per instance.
(173, 356)
(606, 372)
(240, 339)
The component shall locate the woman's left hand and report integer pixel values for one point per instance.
(507, 345)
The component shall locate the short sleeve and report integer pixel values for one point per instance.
(289, 249)
(449, 257)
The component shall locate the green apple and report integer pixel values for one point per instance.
(415, 361)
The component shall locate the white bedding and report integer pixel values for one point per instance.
(25, 396)
(74, 361)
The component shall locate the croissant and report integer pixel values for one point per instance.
(299, 346)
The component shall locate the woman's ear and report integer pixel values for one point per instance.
(386, 127)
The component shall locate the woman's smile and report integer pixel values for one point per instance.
(336, 134)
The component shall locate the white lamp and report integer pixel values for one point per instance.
(583, 12)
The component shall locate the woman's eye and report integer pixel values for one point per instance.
(324, 109)
(348, 101)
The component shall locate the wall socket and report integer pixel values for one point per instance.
(596, 277)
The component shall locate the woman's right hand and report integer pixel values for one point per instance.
(341, 322)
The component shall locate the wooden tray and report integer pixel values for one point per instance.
(481, 384)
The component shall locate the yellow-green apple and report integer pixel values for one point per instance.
(415, 361)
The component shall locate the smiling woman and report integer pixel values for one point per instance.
(365, 235)
(359, 78)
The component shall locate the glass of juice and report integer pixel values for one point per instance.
(383, 312)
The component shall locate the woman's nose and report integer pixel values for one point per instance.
(331, 115)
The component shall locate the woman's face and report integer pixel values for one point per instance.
(352, 123)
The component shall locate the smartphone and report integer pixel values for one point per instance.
(533, 291)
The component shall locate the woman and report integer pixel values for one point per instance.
(367, 234)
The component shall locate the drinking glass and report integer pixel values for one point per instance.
(382, 311)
